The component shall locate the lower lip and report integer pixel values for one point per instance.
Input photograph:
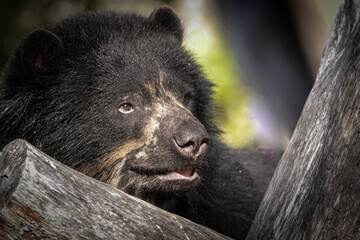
(174, 176)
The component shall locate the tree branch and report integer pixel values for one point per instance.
(42, 198)
(315, 191)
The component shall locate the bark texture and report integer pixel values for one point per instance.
(315, 191)
(41, 198)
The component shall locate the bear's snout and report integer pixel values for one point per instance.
(191, 140)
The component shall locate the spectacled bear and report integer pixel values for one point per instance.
(117, 97)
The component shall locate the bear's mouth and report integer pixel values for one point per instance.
(188, 174)
(185, 175)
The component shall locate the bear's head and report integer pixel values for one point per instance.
(114, 96)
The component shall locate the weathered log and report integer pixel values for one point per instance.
(315, 191)
(41, 198)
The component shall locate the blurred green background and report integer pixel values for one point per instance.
(209, 35)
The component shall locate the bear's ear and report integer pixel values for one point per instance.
(167, 18)
(38, 49)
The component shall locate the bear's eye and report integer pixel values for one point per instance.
(126, 108)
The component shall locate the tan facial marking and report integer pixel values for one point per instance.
(161, 81)
(141, 154)
(151, 88)
(101, 166)
(169, 93)
(122, 151)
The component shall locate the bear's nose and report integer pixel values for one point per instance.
(191, 140)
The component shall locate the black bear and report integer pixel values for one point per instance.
(117, 97)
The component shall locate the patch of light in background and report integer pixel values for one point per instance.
(267, 132)
(205, 39)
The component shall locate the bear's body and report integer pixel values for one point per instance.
(116, 97)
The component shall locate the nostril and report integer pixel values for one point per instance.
(189, 147)
(205, 140)
(192, 148)
(203, 146)
(183, 142)
(188, 144)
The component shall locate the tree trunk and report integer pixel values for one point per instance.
(315, 191)
(41, 198)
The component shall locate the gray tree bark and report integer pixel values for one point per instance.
(41, 198)
(315, 191)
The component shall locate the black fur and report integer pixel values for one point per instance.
(64, 90)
